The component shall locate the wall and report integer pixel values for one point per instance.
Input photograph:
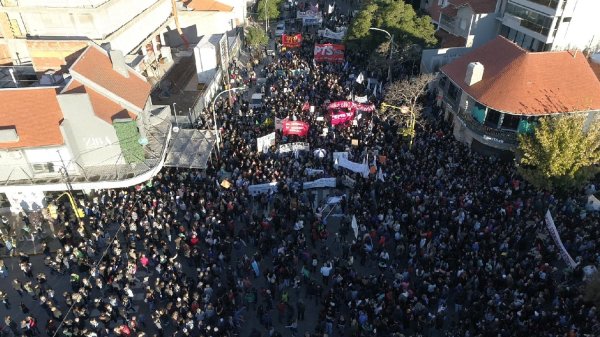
(13, 165)
(92, 140)
(583, 31)
(433, 59)
(50, 155)
(484, 29)
(207, 23)
(141, 27)
(94, 23)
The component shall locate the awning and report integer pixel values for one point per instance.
(190, 148)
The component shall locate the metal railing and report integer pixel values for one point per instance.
(157, 135)
(507, 137)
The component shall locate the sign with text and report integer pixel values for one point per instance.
(329, 52)
(298, 128)
(351, 106)
(264, 143)
(341, 118)
(291, 41)
(291, 147)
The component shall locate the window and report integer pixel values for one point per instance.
(510, 122)
(43, 168)
(492, 118)
(530, 19)
(548, 3)
(567, 19)
(478, 112)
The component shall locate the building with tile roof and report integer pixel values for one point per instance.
(100, 130)
(494, 92)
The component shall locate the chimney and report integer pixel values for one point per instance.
(118, 62)
(474, 73)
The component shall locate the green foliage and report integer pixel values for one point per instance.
(128, 135)
(397, 17)
(559, 155)
(268, 8)
(256, 37)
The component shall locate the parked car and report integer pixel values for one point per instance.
(280, 29)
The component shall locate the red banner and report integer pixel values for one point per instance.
(291, 41)
(329, 52)
(351, 106)
(295, 128)
(341, 118)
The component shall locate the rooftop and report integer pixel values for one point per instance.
(207, 5)
(520, 82)
(95, 65)
(34, 113)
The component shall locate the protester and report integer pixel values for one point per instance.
(447, 241)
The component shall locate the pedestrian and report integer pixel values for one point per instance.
(18, 287)
(300, 308)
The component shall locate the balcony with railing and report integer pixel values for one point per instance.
(486, 132)
(87, 177)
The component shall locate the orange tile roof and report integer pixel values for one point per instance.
(105, 108)
(520, 82)
(35, 114)
(208, 5)
(95, 65)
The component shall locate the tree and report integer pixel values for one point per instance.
(268, 8)
(560, 155)
(406, 93)
(398, 18)
(256, 37)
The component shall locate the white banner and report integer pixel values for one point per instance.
(263, 143)
(334, 200)
(319, 183)
(348, 182)
(262, 188)
(330, 34)
(337, 156)
(361, 99)
(557, 241)
(311, 172)
(308, 14)
(354, 167)
(355, 226)
(292, 147)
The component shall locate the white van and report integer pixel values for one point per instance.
(256, 101)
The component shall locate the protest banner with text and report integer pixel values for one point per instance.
(329, 52)
(295, 128)
(291, 41)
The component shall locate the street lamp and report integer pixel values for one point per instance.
(214, 113)
(176, 127)
(391, 36)
(266, 18)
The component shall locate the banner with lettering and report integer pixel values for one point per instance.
(557, 241)
(341, 118)
(330, 34)
(262, 188)
(351, 106)
(298, 146)
(298, 128)
(291, 41)
(264, 143)
(329, 52)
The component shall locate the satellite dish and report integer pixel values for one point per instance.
(175, 129)
(143, 141)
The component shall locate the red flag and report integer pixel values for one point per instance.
(341, 118)
(291, 41)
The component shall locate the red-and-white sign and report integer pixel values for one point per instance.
(341, 118)
(291, 41)
(351, 106)
(329, 52)
(298, 128)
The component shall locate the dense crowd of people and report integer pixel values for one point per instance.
(447, 242)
